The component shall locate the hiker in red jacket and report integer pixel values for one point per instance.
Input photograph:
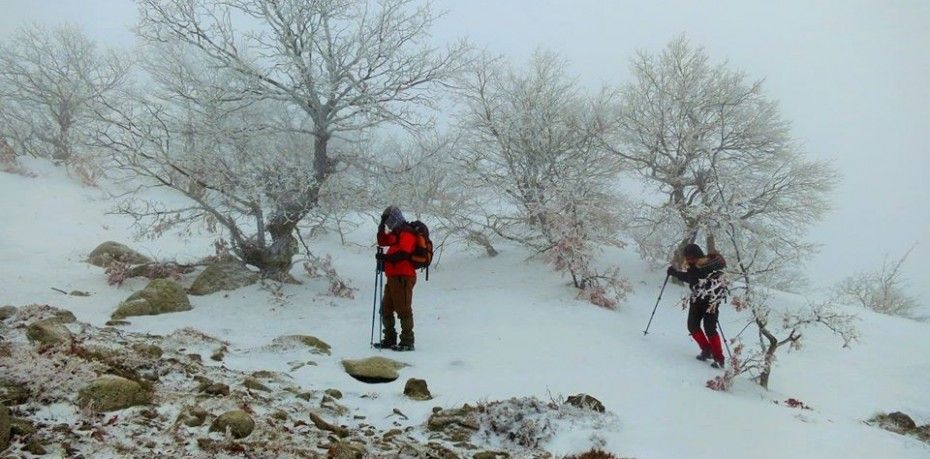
(705, 277)
(394, 233)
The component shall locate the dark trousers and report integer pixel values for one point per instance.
(697, 313)
(398, 299)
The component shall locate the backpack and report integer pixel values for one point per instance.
(422, 254)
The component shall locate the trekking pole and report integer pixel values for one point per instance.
(646, 331)
(374, 304)
(725, 343)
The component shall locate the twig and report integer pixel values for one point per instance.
(59, 290)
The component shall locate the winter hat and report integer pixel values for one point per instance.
(395, 217)
(693, 251)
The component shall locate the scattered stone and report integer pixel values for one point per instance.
(417, 389)
(218, 355)
(159, 297)
(111, 251)
(64, 316)
(217, 389)
(317, 345)
(237, 422)
(79, 293)
(307, 396)
(333, 393)
(35, 448)
(22, 427)
(346, 450)
(13, 393)
(255, 384)
(195, 357)
(6, 312)
(586, 402)
(264, 374)
(111, 393)
(4, 427)
(192, 416)
(148, 350)
(392, 433)
(491, 455)
(48, 332)
(117, 323)
(223, 276)
(373, 369)
(454, 418)
(321, 424)
(280, 415)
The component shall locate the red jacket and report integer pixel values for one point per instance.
(398, 242)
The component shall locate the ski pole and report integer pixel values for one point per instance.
(646, 331)
(374, 304)
(725, 343)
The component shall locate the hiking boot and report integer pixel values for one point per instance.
(403, 347)
(383, 345)
(704, 355)
(717, 364)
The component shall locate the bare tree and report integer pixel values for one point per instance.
(531, 148)
(691, 128)
(345, 65)
(51, 83)
(881, 290)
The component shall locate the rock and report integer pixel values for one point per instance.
(79, 293)
(4, 427)
(462, 418)
(238, 422)
(117, 323)
(22, 427)
(194, 357)
(6, 312)
(48, 332)
(255, 384)
(223, 276)
(317, 345)
(586, 402)
(64, 316)
(897, 422)
(159, 297)
(334, 393)
(373, 369)
(192, 416)
(346, 450)
(111, 251)
(111, 393)
(217, 389)
(35, 448)
(13, 393)
(280, 415)
(305, 396)
(263, 374)
(491, 455)
(417, 389)
(148, 350)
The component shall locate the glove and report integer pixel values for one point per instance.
(380, 256)
(671, 271)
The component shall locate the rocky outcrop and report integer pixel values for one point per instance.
(373, 369)
(111, 251)
(159, 297)
(111, 393)
(223, 276)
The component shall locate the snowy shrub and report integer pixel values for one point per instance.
(881, 290)
(117, 272)
(9, 162)
(735, 367)
(594, 453)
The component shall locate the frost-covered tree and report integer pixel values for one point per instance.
(52, 81)
(691, 128)
(881, 290)
(530, 146)
(335, 67)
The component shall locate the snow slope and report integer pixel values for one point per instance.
(489, 329)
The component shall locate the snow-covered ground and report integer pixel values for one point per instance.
(494, 328)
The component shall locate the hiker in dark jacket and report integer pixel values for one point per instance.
(705, 277)
(393, 233)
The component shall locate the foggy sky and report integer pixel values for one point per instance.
(853, 76)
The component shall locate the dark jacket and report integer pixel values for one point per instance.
(705, 278)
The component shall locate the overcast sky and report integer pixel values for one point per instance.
(852, 76)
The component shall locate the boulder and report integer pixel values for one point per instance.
(6, 312)
(316, 345)
(159, 297)
(586, 402)
(417, 389)
(111, 393)
(373, 369)
(111, 251)
(48, 332)
(223, 276)
(237, 422)
(192, 416)
(5, 420)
